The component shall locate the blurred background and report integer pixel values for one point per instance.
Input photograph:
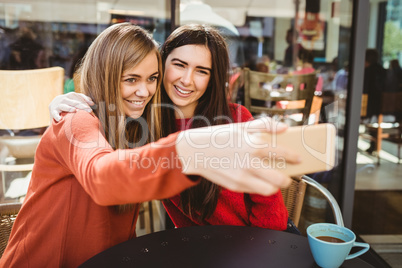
(266, 36)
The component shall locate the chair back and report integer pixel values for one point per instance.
(8, 213)
(391, 103)
(363, 109)
(25, 96)
(293, 197)
(293, 92)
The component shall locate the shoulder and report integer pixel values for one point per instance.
(240, 113)
(75, 131)
(80, 126)
(80, 119)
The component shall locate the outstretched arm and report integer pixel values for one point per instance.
(231, 156)
(235, 156)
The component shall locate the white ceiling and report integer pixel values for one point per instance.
(95, 11)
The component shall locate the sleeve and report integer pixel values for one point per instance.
(268, 211)
(112, 176)
(240, 113)
(320, 83)
(177, 216)
(334, 83)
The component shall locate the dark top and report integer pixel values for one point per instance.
(28, 50)
(393, 81)
(373, 86)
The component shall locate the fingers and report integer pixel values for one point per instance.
(82, 97)
(258, 186)
(289, 155)
(253, 183)
(65, 108)
(69, 102)
(87, 99)
(55, 115)
(272, 177)
(267, 145)
(274, 151)
(71, 105)
(265, 124)
(249, 180)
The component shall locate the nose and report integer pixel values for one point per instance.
(142, 91)
(187, 77)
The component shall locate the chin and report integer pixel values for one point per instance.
(180, 102)
(135, 115)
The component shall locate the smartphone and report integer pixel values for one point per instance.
(315, 144)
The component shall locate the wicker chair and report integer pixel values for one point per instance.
(294, 197)
(8, 213)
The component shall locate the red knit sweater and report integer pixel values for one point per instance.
(232, 209)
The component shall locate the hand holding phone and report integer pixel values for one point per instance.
(314, 143)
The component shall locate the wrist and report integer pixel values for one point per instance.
(190, 144)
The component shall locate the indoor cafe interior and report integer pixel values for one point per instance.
(305, 62)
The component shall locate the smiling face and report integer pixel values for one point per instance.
(186, 78)
(138, 85)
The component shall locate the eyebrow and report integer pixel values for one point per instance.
(136, 75)
(200, 67)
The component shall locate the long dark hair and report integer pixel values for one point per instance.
(212, 107)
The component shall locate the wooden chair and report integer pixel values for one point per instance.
(25, 96)
(294, 197)
(146, 208)
(8, 213)
(278, 94)
(390, 104)
(235, 82)
(363, 109)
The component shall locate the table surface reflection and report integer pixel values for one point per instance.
(213, 246)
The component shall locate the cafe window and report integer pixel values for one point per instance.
(257, 36)
(264, 36)
(269, 37)
(57, 33)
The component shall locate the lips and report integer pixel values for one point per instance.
(181, 92)
(136, 102)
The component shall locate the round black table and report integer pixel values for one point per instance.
(213, 246)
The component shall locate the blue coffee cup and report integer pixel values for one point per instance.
(330, 244)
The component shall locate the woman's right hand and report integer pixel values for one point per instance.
(233, 156)
(70, 102)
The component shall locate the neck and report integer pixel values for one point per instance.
(185, 112)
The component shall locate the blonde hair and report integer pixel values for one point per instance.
(119, 47)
